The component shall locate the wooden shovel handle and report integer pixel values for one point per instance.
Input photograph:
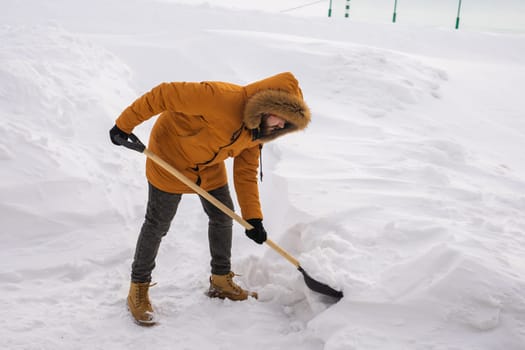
(217, 203)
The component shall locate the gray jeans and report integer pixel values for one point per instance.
(161, 210)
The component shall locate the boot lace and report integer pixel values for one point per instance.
(142, 296)
(235, 286)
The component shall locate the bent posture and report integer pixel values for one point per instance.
(199, 126)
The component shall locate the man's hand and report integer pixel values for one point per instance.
(258, 233)
(117, 136)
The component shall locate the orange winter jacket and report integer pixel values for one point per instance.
(202, 124)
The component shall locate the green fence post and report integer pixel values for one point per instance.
(457, 18)
(330, 9)
(395, 12)
(347, 11)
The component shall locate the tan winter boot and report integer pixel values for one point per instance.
(223, 286)
(139, 304)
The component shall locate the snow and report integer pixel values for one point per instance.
(406, 192)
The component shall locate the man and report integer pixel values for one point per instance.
(200, 125)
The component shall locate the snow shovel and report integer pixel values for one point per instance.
(135, 144)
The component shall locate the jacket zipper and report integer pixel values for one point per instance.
(234, 138)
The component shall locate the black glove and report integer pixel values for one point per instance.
(116, 135)
(257, 233)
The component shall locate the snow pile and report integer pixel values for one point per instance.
(406, 192)
(59, 97)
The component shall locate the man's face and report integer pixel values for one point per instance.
(271, 123)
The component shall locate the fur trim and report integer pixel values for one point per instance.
(280, 103)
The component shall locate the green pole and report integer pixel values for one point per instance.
(457, 18)
(330, 9)
(347, 12)
(395, 12)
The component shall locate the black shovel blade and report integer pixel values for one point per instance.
(319, 287)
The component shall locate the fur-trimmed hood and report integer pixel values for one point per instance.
(287, 104)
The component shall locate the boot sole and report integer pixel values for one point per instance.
(214, 293)
(146, 324)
